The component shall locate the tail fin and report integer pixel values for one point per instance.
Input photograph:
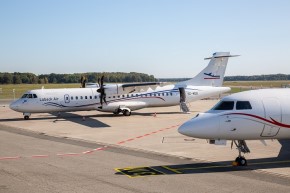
(213, 74)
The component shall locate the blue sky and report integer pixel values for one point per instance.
(164, 38)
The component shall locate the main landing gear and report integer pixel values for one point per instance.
(26, 116)
(242, 148)
(126, 111)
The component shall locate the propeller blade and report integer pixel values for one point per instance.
(99, 82)
(84, 83)
(102, 81)
(101, 99)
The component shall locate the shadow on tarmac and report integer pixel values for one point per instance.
(281, 161)
(65, 116)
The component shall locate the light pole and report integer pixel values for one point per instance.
(14, 94)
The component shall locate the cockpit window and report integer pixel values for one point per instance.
(243, 105)
(224, 105)
(24, 96)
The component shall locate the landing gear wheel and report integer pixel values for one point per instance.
(241, 161)
(126, 113)
(26, 117)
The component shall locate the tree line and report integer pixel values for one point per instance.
(113, 77)
(269, 77)
(109, 77)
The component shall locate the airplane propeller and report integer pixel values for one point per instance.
(83, 81)
(101, 90)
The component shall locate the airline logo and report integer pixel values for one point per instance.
(211, 76)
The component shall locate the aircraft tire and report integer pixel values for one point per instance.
(26, 117)
(241, 161)
(126, 113)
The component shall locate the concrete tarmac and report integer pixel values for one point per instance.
(92, 151)
(107, 170)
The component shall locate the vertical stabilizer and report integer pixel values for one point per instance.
(213, 74)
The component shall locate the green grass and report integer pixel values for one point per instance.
(236, 86)
(7, 89)
(257, 84)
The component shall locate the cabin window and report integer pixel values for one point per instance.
(91, 97)
(86, 97)
(114, 97)
(96, 96)
(34, 96)
(243, 105)
(77, 98)
(224, 105)
(30, 96)
(72, 98)
(82, 97)
(118, 96)
(171, 94)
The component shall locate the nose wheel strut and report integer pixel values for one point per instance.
(242, 148)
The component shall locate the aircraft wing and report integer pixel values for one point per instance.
(139, 87)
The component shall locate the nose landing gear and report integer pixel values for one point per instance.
(242, 148)
(26, 116)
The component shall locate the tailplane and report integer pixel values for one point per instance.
(213, 74)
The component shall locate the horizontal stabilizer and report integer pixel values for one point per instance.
(226, 56)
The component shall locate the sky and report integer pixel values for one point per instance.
(164, 38)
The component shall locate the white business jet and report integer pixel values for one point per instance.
(250, 115)
(124, 98)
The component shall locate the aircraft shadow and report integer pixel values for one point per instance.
(65, 116)
(157, 113)
(85, 121)
(281, 161)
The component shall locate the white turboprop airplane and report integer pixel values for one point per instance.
(123, 98)
(250, 115)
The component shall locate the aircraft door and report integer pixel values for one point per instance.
(182, 95)
(66, 98)
(272, 110)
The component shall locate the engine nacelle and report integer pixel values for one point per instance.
(116, 89)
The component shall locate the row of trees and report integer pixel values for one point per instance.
(30, 78)
(269, 77)
(111, 77)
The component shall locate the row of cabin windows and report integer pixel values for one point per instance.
(121, 96)
(81, 97)
(229, 105)
(95, 97)
(144, 95)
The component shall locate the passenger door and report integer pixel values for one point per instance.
(272, 108)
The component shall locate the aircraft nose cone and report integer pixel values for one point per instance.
(13, 106)
(186, 129)
(205, 126)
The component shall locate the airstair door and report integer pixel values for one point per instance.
(272, 108)
(66, 98)
(182, 95)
